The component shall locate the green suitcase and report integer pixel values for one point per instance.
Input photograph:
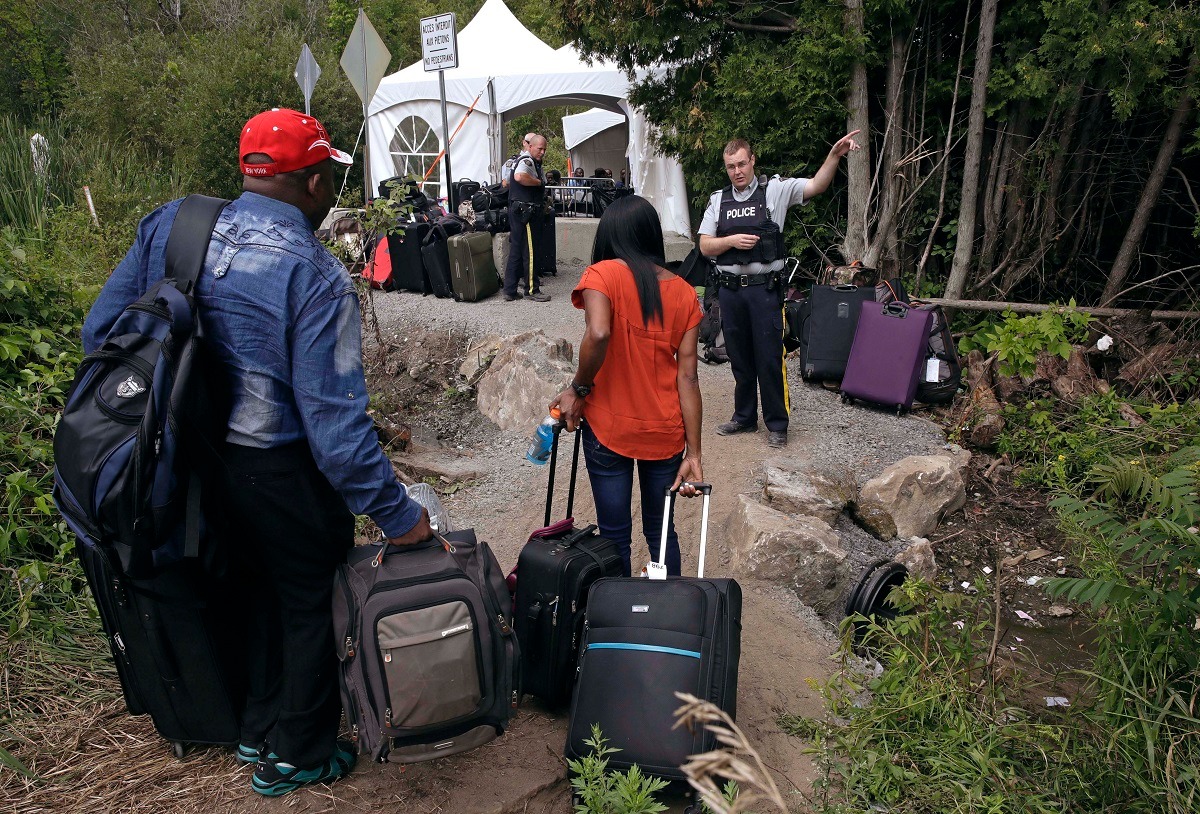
(473, 274)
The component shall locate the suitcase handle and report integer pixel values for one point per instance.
(706, 490)
(574, 474)
(895, 309)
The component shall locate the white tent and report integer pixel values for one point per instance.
(404, 124)
(596, 138)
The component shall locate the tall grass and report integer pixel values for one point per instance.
(25, 196)
(126, 183)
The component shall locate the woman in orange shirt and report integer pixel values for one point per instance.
(636, 387)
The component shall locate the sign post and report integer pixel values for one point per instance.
(439, 49)
(365, 60)
(307, 73)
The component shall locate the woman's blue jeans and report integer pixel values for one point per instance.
(611, 476)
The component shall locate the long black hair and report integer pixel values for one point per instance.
(629, 230)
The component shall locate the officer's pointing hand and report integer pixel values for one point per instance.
(845, 144)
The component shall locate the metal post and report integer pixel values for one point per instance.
(450, 204)
(367, 188)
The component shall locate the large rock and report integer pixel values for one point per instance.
(917, 492)
(919, 559)
(808, 488)
(525, 375)
(803, 553)
(479, 356)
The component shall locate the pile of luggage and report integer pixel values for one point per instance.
(883, 348)
(430, 252)
(490, 204)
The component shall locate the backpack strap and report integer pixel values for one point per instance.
(187, 245)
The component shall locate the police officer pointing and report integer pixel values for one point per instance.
(742, 230)
(526, 202)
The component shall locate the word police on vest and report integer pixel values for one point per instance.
(744, 212)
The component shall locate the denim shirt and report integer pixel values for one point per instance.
(281, 313)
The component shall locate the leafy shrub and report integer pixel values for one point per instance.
(1056, 443)
(1142, 560)
(600, 791)
(1017, 341)
(934, 730)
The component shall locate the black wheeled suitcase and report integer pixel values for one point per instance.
(645, 640)
(408, 268)
(472, 267)
(176, 641)
(436, 258)
(549, 253)
(830, 316)
(555, 571)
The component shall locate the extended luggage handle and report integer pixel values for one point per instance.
(574, 474)
(704, 489)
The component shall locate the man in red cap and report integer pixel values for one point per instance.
(300, 457)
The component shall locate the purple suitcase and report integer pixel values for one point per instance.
(887, 355)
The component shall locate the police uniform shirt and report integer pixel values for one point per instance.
(782, 193)
(527, 166)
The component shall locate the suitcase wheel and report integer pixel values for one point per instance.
(179, 749)
(846, 399)
(899, 410)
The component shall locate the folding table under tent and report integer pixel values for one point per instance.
(404, 117)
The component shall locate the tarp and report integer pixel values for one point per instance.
(579, 127)
(405, 112)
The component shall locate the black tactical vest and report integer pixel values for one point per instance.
(749, 217)
(519, 192)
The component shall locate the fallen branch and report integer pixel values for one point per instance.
(1037, 308)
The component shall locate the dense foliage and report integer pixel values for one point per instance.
(1080, 100)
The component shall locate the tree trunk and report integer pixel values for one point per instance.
(885, 225)
(941, 210)
(1149, 197)
(964, 243)
(858, 162)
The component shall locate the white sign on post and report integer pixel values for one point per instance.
(439, 42)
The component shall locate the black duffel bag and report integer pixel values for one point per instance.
(464, 189)
(493, 196)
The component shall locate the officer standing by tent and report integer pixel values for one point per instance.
(742, 230)
(526, 202)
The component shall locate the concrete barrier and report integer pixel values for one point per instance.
(573, 239)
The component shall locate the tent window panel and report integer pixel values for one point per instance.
(414, 148)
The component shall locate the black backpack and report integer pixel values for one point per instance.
(142, 420)
(941, 352)
(711, 336)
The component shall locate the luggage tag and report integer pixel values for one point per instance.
(654, 570)
(932, 369)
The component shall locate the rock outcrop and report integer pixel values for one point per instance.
(802, 553)
(525, 375)
(807, 488)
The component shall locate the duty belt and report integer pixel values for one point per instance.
(727, 280)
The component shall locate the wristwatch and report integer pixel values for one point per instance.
(581, 390)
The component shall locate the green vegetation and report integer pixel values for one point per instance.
(936, 730)
(599, 791)
(1017, 341)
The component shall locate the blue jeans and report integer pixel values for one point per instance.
(611, 476)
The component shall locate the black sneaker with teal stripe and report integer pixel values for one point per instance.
(247, 753)
(274, 777)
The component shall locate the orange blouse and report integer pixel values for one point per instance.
(634, 407)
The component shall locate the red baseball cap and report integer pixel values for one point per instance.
(292, 139)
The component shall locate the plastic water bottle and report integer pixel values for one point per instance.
(543, 438)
